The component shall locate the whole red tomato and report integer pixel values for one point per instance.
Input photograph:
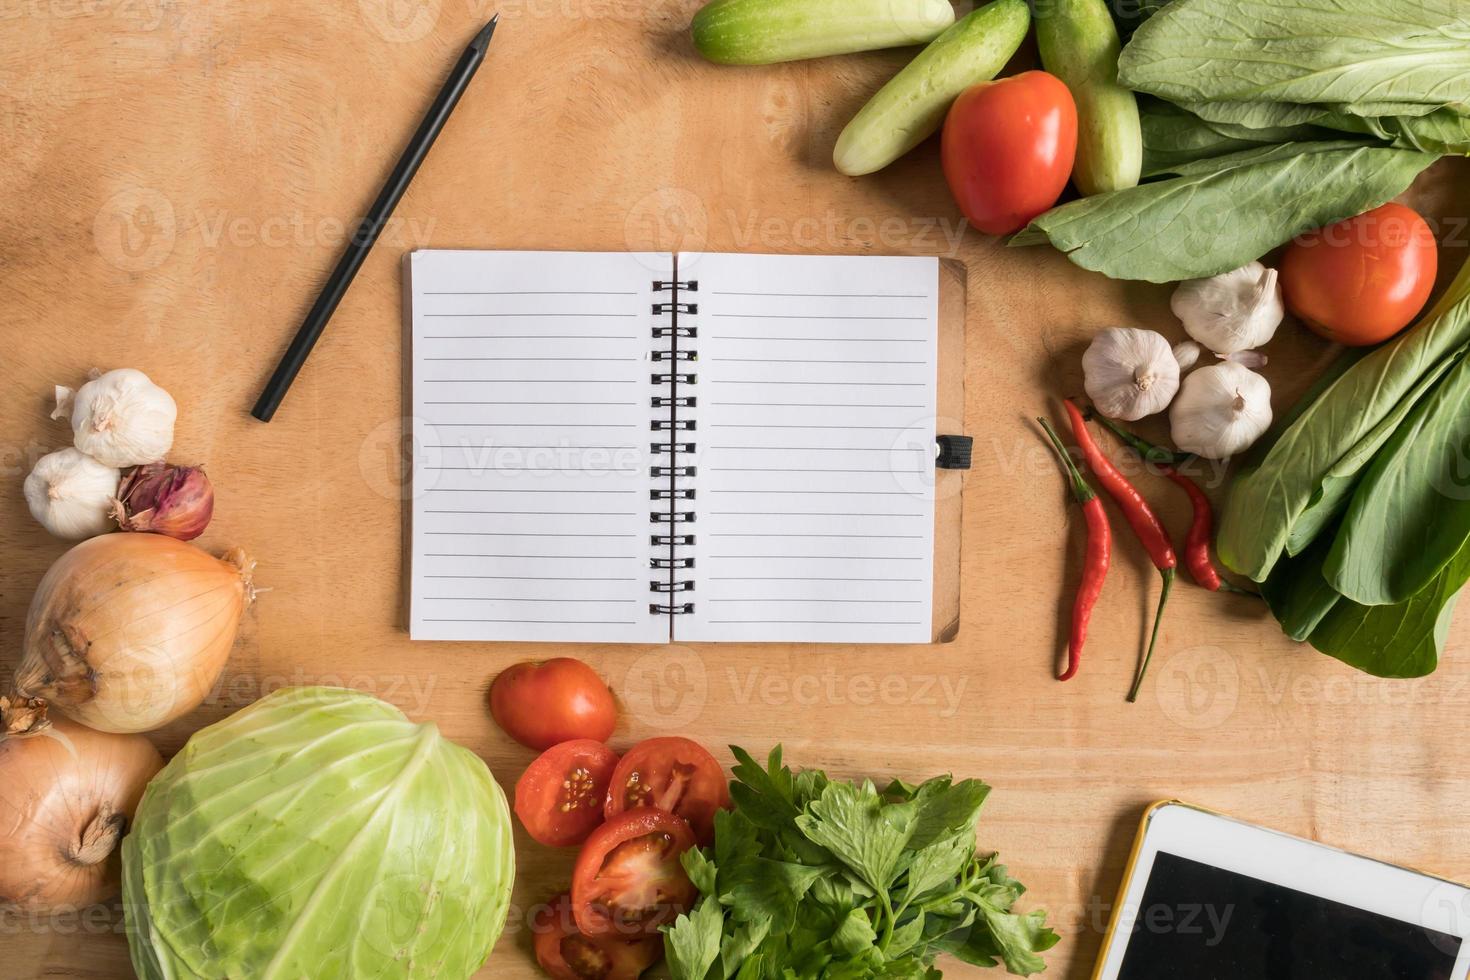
(1008, 149)
(540, 705)
(1362, 280)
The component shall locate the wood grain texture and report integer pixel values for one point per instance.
(179, 177)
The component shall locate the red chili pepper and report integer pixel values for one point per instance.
(1140, 517)
(1099, 555)
(1201, 529)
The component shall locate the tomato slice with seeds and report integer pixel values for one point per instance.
(628, 880)
(673, 774)
(559, 799)
(565, 954)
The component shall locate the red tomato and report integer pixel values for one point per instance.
(566, 954)
(628, 880)
(540, 705)
(672, 774)
(560, 797)
(1008, 149)
(1362, 280)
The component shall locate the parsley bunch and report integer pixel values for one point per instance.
(819, 879)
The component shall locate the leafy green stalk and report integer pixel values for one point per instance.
(1218, 214)
(1391, 54)
(1311, 468)
(818, 879)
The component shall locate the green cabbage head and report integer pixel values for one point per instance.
(318, 834)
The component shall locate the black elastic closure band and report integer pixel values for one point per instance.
(954, 452)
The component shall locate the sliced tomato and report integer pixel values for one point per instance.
(628, 880)
(672, 774)
(560, 797)
(566, 954)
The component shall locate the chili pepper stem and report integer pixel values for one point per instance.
(1168, 576)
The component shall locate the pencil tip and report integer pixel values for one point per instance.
(483, 38)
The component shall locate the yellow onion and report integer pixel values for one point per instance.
(128, 632)
(66, 796)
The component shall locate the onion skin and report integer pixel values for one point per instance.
(174, 500)
(67, 794)
(128, 632)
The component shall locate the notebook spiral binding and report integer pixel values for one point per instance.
(672, 523)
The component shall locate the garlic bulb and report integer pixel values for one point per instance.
(1130, 373)
(1221, 410)
(1233, 311)
(121, 418)
(71, 493)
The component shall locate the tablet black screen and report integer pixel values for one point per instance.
(1198, 922)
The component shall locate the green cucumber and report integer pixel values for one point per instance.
(912, 105)
(763, 32)
(1079, 44)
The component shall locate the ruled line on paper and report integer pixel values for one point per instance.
(519, 352)
(835, 433)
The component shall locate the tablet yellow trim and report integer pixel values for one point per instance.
(1132, 866)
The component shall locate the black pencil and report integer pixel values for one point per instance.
(367, 232)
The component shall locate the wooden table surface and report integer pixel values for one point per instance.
(177, 177)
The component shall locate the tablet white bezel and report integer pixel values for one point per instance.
(1222, 842)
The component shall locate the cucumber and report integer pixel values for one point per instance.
(912, 105)
(763, 32)
(1079, 44)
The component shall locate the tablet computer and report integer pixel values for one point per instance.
(1207, 897)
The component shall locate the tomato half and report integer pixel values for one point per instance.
(566, 954)
(560, 797)
(1008, 149)
(540, 705)
(673, 774)
(628, 880)
(1362, 280)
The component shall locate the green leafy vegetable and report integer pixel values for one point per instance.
(318, 833)
(1173, 136)
(1311, 469)
(1218, 214)
(1411, 513)
(1402, 640)
(817, 879)
(1309, 51)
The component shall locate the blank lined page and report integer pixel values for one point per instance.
(817, 386)
(530, 391)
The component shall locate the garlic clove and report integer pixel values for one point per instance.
(65, 398)
(70, 494)
(1252, 359)
(1234, 311)
(1222, 410)
(1187, 353)
(121, 418)
(1129, 373)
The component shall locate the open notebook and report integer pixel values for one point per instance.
(643, 447)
